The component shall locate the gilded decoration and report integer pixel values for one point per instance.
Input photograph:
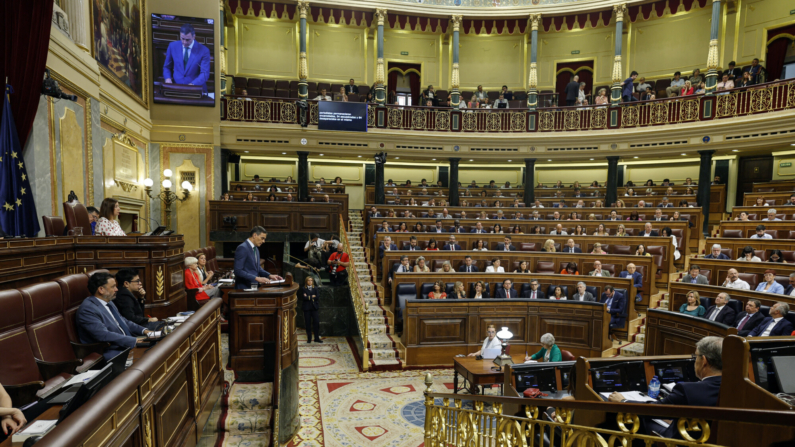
(196, 391)
(303, 9)
(518, 121)
(535, 19)
(313, 113)
(619, 11)
(689, 110)
(533, 80)
(572, 119)
(493, 122)
(727, 105)
(71, 138)
(599, 118)
(234, 109)
(303, 70)
(470, 121)
(395, 118)
(442, 120)
(161, 283)
(286, 333)
(659, 113)
(629, 116)
(457, 22)
(712, 58)
(791, 95)
(89, 154)
(546, 121)
(288, 112)
(761, 100)
(617, 69)
(419, 119)
(370, 116)
(262, 111)
(149, 435)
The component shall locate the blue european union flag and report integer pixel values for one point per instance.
(18, 213)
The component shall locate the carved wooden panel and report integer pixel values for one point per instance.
(517, 326)
(566, 331)
(172, 410)
(442, 330)
(314, 221)
(275, 222)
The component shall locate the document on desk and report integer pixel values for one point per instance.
(632, 395)
(281, 281)
(81, 378)
(226, 281)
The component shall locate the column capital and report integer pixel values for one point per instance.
(380, 14)
(456, 22)
(221, 4)
(620, 10)
(707, 152)
(535, 19)
(303, 8)
(454, 159)
(530, 160)
(613, 158)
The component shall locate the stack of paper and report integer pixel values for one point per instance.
(81, 378)
(37, 428)
(632, 395)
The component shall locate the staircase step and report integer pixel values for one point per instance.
(378, 329)
(631, 350)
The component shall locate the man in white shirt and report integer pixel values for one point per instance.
(495, 267)
(648, 231)
(733, 281)
(775, 324)
(402, 268)
(658, 215)
(537, 204)
(535, 216)
(491, 342)
(558, 231)
(725, 83)
(614, 216)
(323, 96)
(597, 270)
(771, 215)
(438, 228)
(760, 233)
(446, 214)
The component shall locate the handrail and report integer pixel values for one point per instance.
(361, 307)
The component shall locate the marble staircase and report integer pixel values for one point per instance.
(381, 344)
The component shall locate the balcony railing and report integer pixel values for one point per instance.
(764, 98)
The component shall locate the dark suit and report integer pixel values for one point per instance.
(617, 309)
(539, 294)
(567, 249)
(414, 248)
(669, 205)
(247, 267)
(381, 250)
(196, 71)
(735, 72)
(131, 307)
(637, 279)
(700, 279)
(571, 91)
(457, 230)
(720, 256)
(475, 230)
(95, 325)
(749, 325)
(653, 233)
(783, 327)
(662, 219)
(726, 316)
(473, 269)
(310, 304)
(448, 247)
(788, 290)
(699, 394)
(436, 230)
(500, 293)
(501, 247)
(352, 89)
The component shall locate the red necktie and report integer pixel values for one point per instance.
(742, 323)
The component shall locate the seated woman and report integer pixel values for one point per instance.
(549, 350)
(226, 198)
(574, 216)
(748, 255)
(621, 231)
(620, 204)
(432, 245)
(641, 251)
(420, 267)
(776, 256)
(549, 246)
(570, 269)
(458, 291)
(579, 231)
(601, 231)
(480, 291)
(693, 305)
(770, 285)
(480, 245)
(438, 291)
(599, 204)
(743, 217)
(666, 232)
(11, 419)
(193, 279)
(206, 276)
(523, 268)
(491, 342)
(536, 230)
(417, 228)
(497, 229)
(516, 230)
(495, 267)
(558, 295)
(634, 216)
(446, 268)
(108, 223)
(271, 198)
(597, 249)
(760, 201)
(402, 228)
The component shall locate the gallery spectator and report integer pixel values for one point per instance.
(627, 86)
(602, 99)
(571, 90)
(687, 89)
(755, 70)
(642, 85)
(733, 72)
(696, 77)
(725, 83)
(676, 85)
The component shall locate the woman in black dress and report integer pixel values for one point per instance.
(310, 304)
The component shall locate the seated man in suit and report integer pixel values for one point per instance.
(534, 216)
(637, 279)
(715, 253)
(749, 320)
(704, 393)
(384, 228)
(695, 276)
(733, 280)
(403, 267)
(775, 324)
(187, 61)
(385, 246)
(658, 216)
(248, 272)
(506, 291)
(641, 204)
(413, 245)
(570, 248)
(479, 228)
(558, 231)
(438, 228)
(616, 306)
(457, 228)
(614, 216)
(352, 88)
(720, 312)
(648, 231)
(451, 244)
(506, 245)
(468, 266)
(597, 270)
(582, 294)
(790, 290)
(98, 320)
(535, 293)
(130, 297)
(665, 203)
(495, 267)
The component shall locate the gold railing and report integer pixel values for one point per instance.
(453, 425)
(360, 306)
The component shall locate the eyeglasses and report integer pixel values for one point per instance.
(136, 280)
(695, 356)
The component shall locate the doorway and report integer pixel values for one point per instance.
(565, 71)
(752, 170)
(403, 82)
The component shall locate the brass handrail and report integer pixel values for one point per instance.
(359, 304)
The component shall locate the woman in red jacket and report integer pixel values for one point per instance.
(193, 280)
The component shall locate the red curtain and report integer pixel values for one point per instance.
(414, 80)
(564, 76)
(777, 50)
(24, 39)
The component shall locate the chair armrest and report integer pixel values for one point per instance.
(83, 350)
(49, 370)
(190, 296)
(23, 393)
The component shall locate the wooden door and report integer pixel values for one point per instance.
(752, 170)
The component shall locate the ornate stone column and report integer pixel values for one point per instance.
(222, 50)
(611, 196)
(303, 176)
(704, 182)
(77, 11)
(452, 187)
(380, 91)
(615, 96)
(712, 59)
(303, 70)
(532, 84)
(529, 181)
(454, 79)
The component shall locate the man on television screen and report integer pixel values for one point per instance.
(187, 61)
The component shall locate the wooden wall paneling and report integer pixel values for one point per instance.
(673, 333)
(678, 295)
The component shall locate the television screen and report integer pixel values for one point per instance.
(183, 60)
(347, 116)
(606, 380)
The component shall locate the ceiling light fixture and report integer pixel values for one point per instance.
(684, 154)
(360, 156)
(549, 159)
(471, 159)
(592, 159)
(735, 150)
(635, 156)
(433, 159)
(510, 161)
(397, 158)
(285, 153)
(246, 152)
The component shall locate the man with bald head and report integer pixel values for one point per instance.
(558, 231)
(570, 248)
(637, 279)
(733, 281)
(597, 270)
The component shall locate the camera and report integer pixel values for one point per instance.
(380, 157)
(231, 220)
(50, 88)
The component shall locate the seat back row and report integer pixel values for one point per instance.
(209, 252)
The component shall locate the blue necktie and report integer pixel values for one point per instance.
(117, 317)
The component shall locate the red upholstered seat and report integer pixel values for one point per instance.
(53, 225)
(74, 289)
(76, 217)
